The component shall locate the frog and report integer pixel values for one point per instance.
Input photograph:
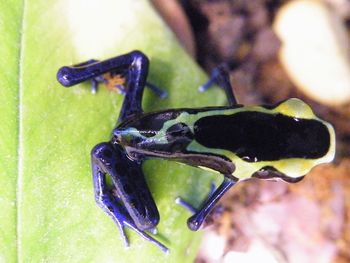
(283, 141)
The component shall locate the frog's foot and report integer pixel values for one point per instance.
(94, 83)
(143, 215)
(211, 81)
(119, 215)
(158, 91)
(221, 77)
(199, 216)
(129, 223)
(180, 201)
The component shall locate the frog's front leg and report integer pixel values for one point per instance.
(134, 207)
(221, 77)
(198, 217)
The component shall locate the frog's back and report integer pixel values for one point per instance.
(260, 136)
(287, 137)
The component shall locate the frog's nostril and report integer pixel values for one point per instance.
(63, 77)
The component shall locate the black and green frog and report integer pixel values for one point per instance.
(283, 141)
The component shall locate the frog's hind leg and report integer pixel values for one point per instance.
(221, 77)
(111, 72)
(198, 217)
(132, 193)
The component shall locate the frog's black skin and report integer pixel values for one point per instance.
(133, 205)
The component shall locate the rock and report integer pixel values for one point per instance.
(315, 50)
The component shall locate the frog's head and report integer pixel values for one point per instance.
(168, 139)
(126, 137)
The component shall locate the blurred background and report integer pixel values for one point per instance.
(277, 50)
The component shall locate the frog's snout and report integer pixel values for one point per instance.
(63, 77)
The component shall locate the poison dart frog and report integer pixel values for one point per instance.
(280, 141)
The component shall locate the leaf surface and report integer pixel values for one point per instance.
(47, 131)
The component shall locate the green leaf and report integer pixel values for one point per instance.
(9, 68)
(47, 131)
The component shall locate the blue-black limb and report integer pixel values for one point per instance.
(94, 81)
(130, 203)
(85, 63)
(161, 93)
(134, 65)
(221, 77)
(195, 221)
(188, 206)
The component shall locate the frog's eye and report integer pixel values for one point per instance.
(179, 136)
(117, 134)
(148, 133)
(179, 131)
